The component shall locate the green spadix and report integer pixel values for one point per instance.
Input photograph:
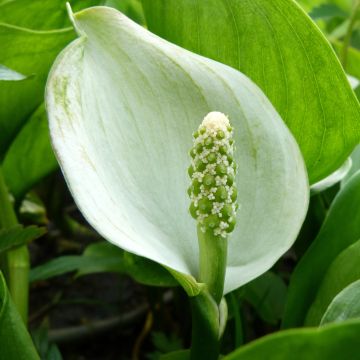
(213, 199)
(122, 105)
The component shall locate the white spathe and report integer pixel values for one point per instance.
(122, 106)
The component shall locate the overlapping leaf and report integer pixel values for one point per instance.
(277, 45)
(29, 52)
(342, 272)
(344, 306)
(340, 230)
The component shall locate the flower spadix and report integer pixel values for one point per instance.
(122, 106)
(213, 191)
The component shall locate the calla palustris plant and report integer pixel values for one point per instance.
(123, 105)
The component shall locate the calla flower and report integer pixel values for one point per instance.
(123, 104)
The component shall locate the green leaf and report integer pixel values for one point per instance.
(299, 79)
(165, 343)
(114, 259)
(15, 341)
(105, 257)
(355, 157)
(344, 306)
(131, 8)
(340, 229)
(18, 235)
(308, 5)
(267, 294)
(40, 14)
(124, 152)
(352, 59)
(177, 355)
(7, 74)
(27, 52)
(60, 266)
(331, 342)
(46, 349)
(30, 156)
(327, 11)
(343, 271)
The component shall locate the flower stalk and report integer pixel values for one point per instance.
(213, 205)
(213, 197)
(16, 262)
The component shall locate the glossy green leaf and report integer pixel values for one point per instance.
(340, 229)
(30, 156)
(18, 235)
(343, 271)
(7, 74)
(18, 99)
(124, 149)
(278, 46)
(140, 269)
(267, 294)
(64, 264)
(15, 341)
(331, 342)
(132, 8)
(40, 14)
(344, 306)
(105, 257)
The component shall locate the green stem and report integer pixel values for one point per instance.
(7, 214)
(213, 255)
(239, 333)
(208, 315)
(349, 31)
(205, 327)
(17, 260)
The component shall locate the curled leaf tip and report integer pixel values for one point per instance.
(212, 171)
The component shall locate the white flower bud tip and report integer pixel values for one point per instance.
(216, 120)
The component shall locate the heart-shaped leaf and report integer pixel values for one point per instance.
(18, 99)
(40, 14)
(278, 46)
(122, 105)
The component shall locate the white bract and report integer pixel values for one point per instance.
(122, 105)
